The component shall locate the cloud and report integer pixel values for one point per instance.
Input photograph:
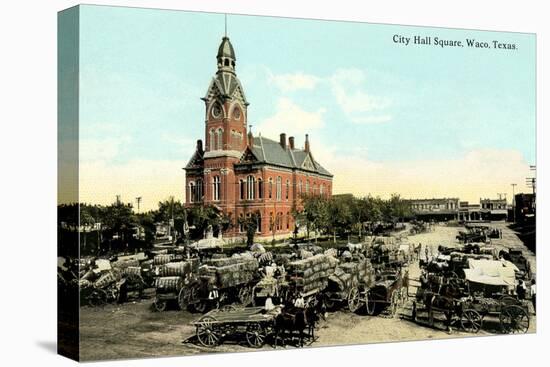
(153, 180)
(292, 82)
(358, 105)
(478, 173)
(291, 119)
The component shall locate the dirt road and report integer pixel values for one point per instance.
(132, 330)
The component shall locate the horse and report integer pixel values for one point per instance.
(288, 322)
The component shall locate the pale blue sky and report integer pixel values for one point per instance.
(143, 72)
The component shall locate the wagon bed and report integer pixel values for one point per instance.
(254, 322)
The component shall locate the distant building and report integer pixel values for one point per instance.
(494, 209)
(441, 209)
(525, 208)
(468, 212)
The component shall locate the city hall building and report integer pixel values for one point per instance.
(242, 174)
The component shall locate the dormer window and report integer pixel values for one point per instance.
(217, 111)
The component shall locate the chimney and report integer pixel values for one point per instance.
(291, 142)
(282, 140)
(307, 143)
(250, 139)
(199, 146)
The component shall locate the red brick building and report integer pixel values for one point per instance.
(243, 174)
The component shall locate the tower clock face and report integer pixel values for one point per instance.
(217, 111)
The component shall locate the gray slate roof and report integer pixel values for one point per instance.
(271, 152)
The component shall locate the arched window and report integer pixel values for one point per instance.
(250, 183)
(192, 191)
(216, 186)
(260, 189)
(279, 188)
(212, 140)
(270, 188)
(287, 189)
(220, 139)
(242, 189)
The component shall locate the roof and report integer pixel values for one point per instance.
(271, 152)
(226, 49)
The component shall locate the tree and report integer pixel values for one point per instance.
(339, 218)
(251, 225)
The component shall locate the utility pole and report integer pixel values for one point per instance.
(138, 200)
(118, 199)
(514, 202)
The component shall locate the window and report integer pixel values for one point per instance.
(279, 188)
(212, 140)
(258, 222)
(199, 190)
(220, 139)
(279, 221)
(192, 190)
(322, 189)
(270, 188)
(314, 188)
(226, 62)
(307, 187)
(260, 189)
(250, 182)
(241, 223)
(287, 189)
(216, 188)
(242, 188)
(271, 221)
(300, 187)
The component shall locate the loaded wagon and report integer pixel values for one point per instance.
(485, 292)
(349, 284)
(173, 281)
(308, 277)
(254, 324)
(222, 281)
(389, 291)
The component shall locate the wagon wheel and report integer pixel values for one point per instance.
(186, 296)
(98, 297)
(514, 319)
(370, 303)
(160, 305)
(245, 295)
(354, 302)
(206, 333)
(255, 335)
(508, 300)
(329, 303)
(471, 321)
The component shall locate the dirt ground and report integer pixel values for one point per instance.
(132, 330)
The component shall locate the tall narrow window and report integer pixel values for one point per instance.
(260, 189)
(258, 223)
(250, 182)
(212, 140)
(192, 190)
(279, 188)
(220, 139)
(216, 188)
(287, 189)
(287, 220)
(242, 189)
(307, 186)
(270, 188)
(241, 223)
(322, 190)
(199, 190)
(300, 187)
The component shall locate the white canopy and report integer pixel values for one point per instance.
(491, 272)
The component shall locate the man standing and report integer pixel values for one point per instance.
(533, 292)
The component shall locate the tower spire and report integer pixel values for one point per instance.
(225, 24)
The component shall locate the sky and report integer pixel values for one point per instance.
(383, 117)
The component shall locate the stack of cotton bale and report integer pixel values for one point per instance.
(312, 273)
